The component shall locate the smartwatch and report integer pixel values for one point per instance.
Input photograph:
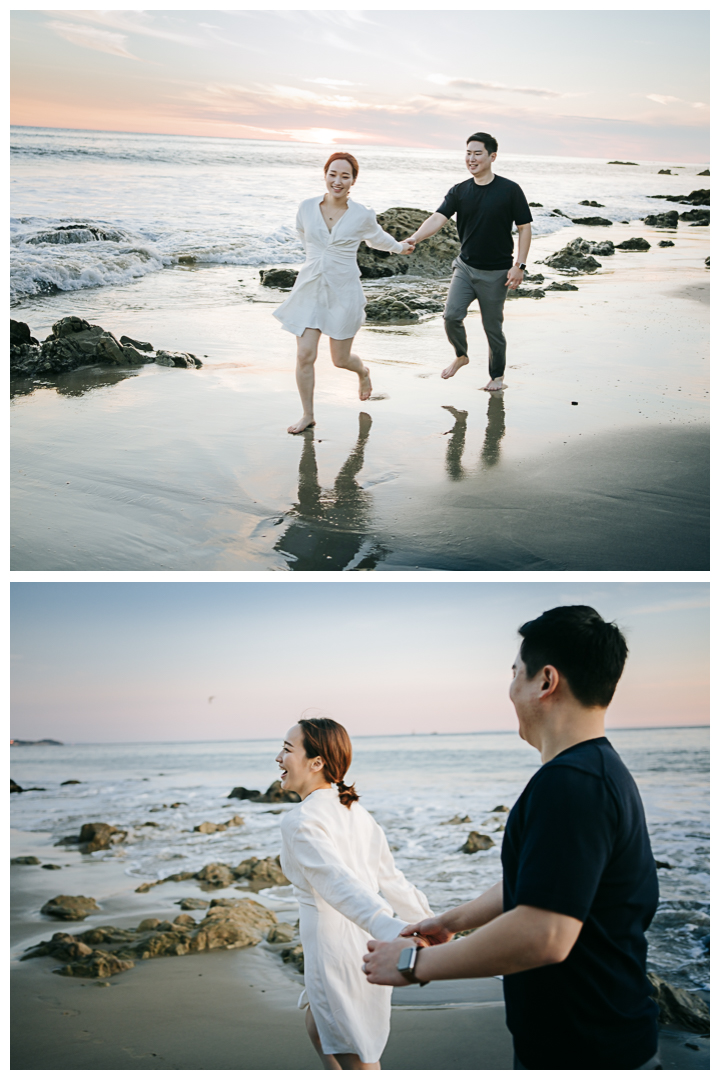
(406, 965)
(521, 266)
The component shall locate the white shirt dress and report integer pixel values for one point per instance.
(337, 859)
(327, 293)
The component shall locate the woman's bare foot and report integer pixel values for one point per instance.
(452, 369)
(365, 385)
(306, 422)
(495, 384)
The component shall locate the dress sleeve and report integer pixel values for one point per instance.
(317, 857)
(299, 225)
(409, 903)
(376, 237)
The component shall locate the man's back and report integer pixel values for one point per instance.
(576, 843)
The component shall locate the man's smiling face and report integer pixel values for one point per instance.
(477, 158)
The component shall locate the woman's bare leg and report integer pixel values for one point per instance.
(307, 347)
(334, 1061)
(343, 357)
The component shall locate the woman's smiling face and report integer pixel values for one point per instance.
(298, 772)
(339, 178)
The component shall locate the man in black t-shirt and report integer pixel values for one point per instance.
(566, 925)
(486, 206)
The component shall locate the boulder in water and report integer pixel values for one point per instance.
(667, 220)
(679, 1007)
(25, 860)
(278, 279)
(177, 359)
(635, 243)
(70, 908)
(432, 257)
(477, 842)
(389, 310)
(97, 836)
(591, 221)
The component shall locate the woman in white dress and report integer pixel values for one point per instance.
(337, 858)
(327, 297)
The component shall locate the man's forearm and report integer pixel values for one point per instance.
(429, 227)
(524, 238)
(476, 912)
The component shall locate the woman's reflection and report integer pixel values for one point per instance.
(494, 431)
(330, 524)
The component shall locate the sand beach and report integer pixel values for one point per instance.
(594, 457)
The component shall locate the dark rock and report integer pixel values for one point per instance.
(591, 221)
(261, 873)
(294, 956)
(535, 204)
(96, 836)
(501, 809)
(564, 286)
(664, 172)
(572, 256)
(700, 197)
(432, 257)
(477, 842)
(707, 260)
(390, 310)
(457, 820)
(51, 866)
(591, 247)
(281, 933)
(559, 213)
(519, 293)
(243, 793)
(177, 359)
(590, 202)
(666, 243)
(187, 260)
(184, 920)
(636, 243)
(25, 860)
(99, 965)
(20, 334)
(218, 874)
(705, 172)
(149, 825)
(191, 903)
(66, 782)
(15, 787)
(662, 865)
(148, 924)
(679, 1007)
(667, 220)
(537, 278)
(143, 346)
(696, 217)
(278, 279)
(71, 908)
(275, 794)
(622, 162)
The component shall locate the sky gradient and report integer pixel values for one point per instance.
(577, 83)
(115, 662)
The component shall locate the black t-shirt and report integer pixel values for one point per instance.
(576, 843)
(485, 216)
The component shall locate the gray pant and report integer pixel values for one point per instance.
(488, 287)
(653, 1063)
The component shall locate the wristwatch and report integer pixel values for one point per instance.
(406, 965)
(521, 266)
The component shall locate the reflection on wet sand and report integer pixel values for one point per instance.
(329, 525)
(494, 431)
(74, 383)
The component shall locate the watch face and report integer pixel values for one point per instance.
(405, 960)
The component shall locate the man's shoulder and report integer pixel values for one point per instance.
(461, 188)
(507, 184)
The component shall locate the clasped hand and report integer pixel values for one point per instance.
(380, 962)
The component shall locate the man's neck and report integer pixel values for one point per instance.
(484, 178)
(562, 732)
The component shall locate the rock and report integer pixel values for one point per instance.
(143, 346)
(477, 842)
(679, 1007)
(662, 865)
(501, 809)
(636, 243)
(73, 343)
(572, 256)
(184, 920)
(432, 258)
(147, 886)
(696, 217)
(66, 782)
(209, 827)
(243, 793)
(234, 927)
(622, 162)
(457, 820)
(668, 220)
(419, 302)
(707, 260)
(25, 860)
(699, 197)
(590, 221)
(51, 866)
(148, 924)
(705, 172)
(664, 172)
(281, 933)
(191, 903)
(218, 874)
(177, 359)
(187, 260)
(174, 805)
(602, 247)
(97, 836)
(535, 204)
(275, 794)
(20, 334)
(149, 825)
(517, 294)
(564, 286)
(294, 956)
(590, 202)
(666, 243)
(72, 908)
(390, 310)
(539, 278)
(559, 213)
(235, 822)
(278, 279)
(99, 965)
(261, 873)
(15, 787)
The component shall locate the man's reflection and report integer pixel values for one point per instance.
(330, 524)
(494, 431)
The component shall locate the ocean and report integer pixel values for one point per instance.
(414, 785)
(94, 209)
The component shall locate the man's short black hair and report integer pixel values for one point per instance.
(589, 652)
(487, 140)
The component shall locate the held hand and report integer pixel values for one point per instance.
(408, 247)
(430, 930)
(380, 963)
(515, 277)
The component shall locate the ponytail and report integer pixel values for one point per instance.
(348, 794)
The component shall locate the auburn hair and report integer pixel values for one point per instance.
(326, 739)
(355, 170)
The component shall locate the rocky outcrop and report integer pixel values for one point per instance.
(388, 309)
(25, 860)
(211, 827)
(519, 293)
(71, 908)
(257, 873)
(75, 343)
(699, 197)
(501, 809)
(281, 934)
(590, 202)
(457, 820)
(96, 836)
(665, 172)
(432, 257)
(261, 873)
(622, 162)
(66, 782)
(15, 788)
(477, 842)
(591, 221)
(666, 243)
(274, 794)
(679, 1007)
(635, 243)
(193, 903)
(705, 172)
(51, 866)
(217, 874)
(696, 217)
(278, 279)
(574, 256)
(667, 220)
(562, 286)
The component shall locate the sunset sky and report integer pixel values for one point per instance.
(115, 662)
(576, 83)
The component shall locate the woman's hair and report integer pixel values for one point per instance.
(330, 741)
(355, 170)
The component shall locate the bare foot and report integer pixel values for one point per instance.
(452, 369)
(306, 422)
(495, 384)
(365, 385)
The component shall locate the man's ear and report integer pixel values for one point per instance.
(550, 681)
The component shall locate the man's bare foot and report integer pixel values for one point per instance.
(495, 384)
(365, 385)
(302, 425)
(452, 369)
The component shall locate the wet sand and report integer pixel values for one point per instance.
(192, 470)
(243, 1015)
